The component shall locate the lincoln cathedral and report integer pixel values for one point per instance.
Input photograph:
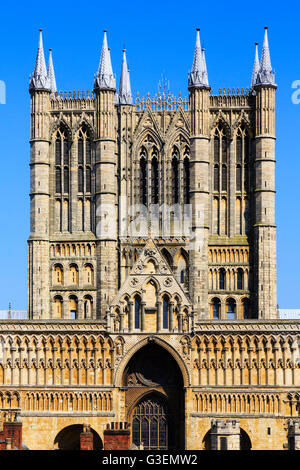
(152, 311)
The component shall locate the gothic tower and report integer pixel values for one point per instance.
(264, 227)
(38, 243)
(199, 183)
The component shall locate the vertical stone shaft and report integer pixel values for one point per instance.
(106, 199)
(199, 197)
(264, 199)
(38, 242)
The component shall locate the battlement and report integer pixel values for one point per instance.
(68, 101)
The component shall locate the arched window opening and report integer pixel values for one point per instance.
(216, 178)
(166, 302)
(88, 307)
(216, 149)
(58, 302)
(150, 425)
(88, 274)
(216, 309)
(80, 179)
(239, 150)
(154, 181)
(186, 170)
(238, 178)
(73, 302)
(80, 151)
(240, 279)
(246, 309)
(73, 279)
(58, 185)
(222, 279)
(88, 181)
(58, 274)
(230, 309)
(137, 312)
(224, 149)
(175, 177)
(224, 178)
(66, 180)
(143, 181)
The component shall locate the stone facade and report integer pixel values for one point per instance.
(132, 319)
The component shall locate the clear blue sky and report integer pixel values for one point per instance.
(159, 37)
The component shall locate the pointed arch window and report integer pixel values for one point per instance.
(238, 178)
(220, 157)
(62, 162)
(166, 302)
(186, 171)
(84, 159)
(58, 184)
(216, 178)
(143, 180)
(175, 176)
(154, 180)
(137, 312)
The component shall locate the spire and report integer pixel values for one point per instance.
(39, 79)
(104, 78)
(50, 74)
(265, 74)
(205, 77)
(125, 96)
(255, 67)
(198, 74)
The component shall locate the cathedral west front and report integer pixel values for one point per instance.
(152, 308)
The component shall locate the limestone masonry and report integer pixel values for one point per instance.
(152, 270)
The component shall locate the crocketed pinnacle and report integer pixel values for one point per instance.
(124, 95)
(255, 66)
(198, 75)
(51, 74)
(39, 79)
(265, 75)
(104, 78)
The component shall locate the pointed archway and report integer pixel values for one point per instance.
(154, 398)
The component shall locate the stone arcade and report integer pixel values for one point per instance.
(140, 332)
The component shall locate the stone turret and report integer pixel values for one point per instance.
(38, 243)
(264, 225)
(106, 181)
(199, 177)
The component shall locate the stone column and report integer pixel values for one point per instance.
(143, 316)
(158, 318)
(130, 316)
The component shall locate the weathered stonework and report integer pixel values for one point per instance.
(124, 325)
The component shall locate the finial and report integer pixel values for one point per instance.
(39, 78)
(51, 74)
(198, 74)
(265, 74)
(105, 78)
(124, 95)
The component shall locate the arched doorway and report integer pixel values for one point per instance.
(154, 399)
(245, 442)
(69, 438)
